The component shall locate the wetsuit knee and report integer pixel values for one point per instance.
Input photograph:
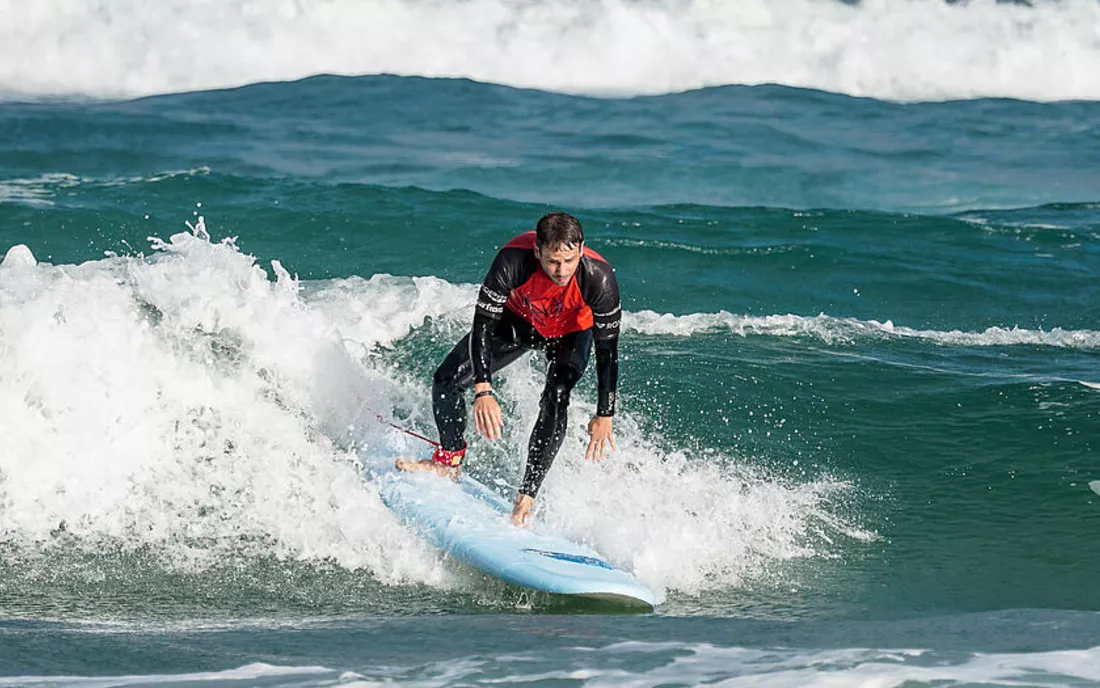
(556, 396)
(560, 384)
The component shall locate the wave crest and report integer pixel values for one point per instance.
(876, 48)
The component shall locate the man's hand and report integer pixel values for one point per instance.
(599, 433)
(487, 416)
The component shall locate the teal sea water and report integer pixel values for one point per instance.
(859, 417)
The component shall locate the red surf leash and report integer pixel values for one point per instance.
(407, 432)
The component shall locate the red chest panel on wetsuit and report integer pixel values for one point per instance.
(552, 310)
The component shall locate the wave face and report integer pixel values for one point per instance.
(182, 411)
(919, 50)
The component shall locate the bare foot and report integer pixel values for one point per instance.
(521, 510)
(452, 472)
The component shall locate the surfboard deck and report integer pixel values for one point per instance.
(473, 524)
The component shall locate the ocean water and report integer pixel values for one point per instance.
(859, 419)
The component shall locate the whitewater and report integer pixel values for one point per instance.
(913, 50)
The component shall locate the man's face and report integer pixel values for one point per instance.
(559, 262)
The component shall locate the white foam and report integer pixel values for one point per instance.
(679, 521)
(167, 404)
(833, 330)
(691, 523)
(706, 664)
(382, 309)
(653, 664)
(18, 257)
(250, 672)
(909, 50)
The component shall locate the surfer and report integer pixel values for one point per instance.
(545, 291)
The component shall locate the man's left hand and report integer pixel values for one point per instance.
(599, 433)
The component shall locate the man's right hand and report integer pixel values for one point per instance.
(487, 416)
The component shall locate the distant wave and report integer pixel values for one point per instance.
(453, 303)
(912, 51)
(43, 189)
(847, 330)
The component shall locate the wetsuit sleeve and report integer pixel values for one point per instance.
(601, 293)
(481, 351)
(498, 284)
(607, 375)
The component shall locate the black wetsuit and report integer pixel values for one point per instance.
(520, 309)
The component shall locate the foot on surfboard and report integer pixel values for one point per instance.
(414, 465)
(521, 510)
(444, 462)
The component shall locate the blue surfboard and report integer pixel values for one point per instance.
(473, 524)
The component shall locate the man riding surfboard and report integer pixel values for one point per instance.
(545, 291)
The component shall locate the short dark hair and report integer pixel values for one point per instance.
(559, 229)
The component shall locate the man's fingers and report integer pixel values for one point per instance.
(485, 425)
(598, 447)
(595, 450)
(488, 421)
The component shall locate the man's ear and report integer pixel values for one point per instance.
(538, 256)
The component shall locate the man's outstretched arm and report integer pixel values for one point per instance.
(607, 379)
